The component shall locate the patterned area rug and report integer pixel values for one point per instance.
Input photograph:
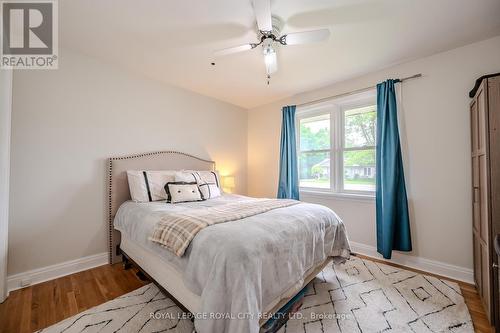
(358, 296)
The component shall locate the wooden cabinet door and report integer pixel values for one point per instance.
(480, 200)
(494, 162)
(476, 213)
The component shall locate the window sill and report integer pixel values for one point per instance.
(340, 196)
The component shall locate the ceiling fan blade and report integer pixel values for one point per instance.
(262, 9)
(271, 62)
(236, 49)
(306, 37)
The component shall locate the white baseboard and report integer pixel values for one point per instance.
(55, 271)
(423, 264)
(73, 266)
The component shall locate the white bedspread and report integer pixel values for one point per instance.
(240, 267)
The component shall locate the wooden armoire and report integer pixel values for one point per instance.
(485, 142)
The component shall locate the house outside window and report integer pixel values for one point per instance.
(336, 145)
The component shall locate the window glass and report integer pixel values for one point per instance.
(359, 170)
(360, 127)
(314, 169)
(315, 133)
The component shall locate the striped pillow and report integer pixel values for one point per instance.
(208, 181)
(148, 185)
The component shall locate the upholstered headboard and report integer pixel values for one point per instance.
(118, 185)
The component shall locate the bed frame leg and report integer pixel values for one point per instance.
(126, 263)
(192, 320)
(141, 276)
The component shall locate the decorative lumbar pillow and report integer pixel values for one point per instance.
(146, 186)
(208, 181)
(183, 192)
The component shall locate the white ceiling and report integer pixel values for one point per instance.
(173, 40)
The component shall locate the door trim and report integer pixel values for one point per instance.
(5, 135)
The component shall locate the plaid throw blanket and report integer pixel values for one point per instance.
(175, 231)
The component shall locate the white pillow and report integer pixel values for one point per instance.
(148, 185)
(186, 176)
(157, 181)
(183, 192)
(208, 181)
(137, 186)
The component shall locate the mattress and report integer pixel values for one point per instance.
(167, 275)
(162, 271)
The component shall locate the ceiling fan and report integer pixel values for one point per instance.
(269, 29)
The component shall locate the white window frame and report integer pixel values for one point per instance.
(336, 107)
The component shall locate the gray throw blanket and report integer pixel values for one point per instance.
(240, 268)
(175, 231)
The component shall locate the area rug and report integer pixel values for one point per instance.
(358, 296)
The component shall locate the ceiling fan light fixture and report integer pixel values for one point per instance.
(270, 61)
(270, 37)
(267, 46)
(269, 55)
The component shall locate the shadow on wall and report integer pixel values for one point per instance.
(405, 151)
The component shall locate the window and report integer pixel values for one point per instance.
(336, 145)
(314, 157)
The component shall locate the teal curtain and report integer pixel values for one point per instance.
(393, 222)
(288, 186)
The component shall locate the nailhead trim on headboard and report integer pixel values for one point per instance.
(110, 171)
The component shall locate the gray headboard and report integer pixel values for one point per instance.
(118, 189)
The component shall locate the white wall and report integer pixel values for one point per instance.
(5, 130)
(436, 117)
(66, 122)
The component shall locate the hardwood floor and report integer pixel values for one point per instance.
(44, 304)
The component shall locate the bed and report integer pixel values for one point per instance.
(251, 266)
